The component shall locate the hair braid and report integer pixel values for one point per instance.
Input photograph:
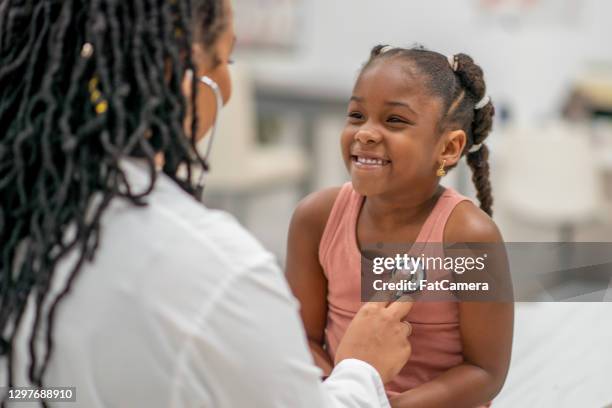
(478, 162)
(472, 79)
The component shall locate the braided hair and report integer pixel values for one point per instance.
(459, 90)
(83, 84)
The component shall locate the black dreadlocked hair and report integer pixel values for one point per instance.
(83, 84)
(460, 91)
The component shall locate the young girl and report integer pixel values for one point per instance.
(412, 116)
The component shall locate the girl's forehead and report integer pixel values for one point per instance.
(395, 80)
(392, 77)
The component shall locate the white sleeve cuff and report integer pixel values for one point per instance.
(356, 384)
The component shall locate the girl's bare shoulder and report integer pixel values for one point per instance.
(468, 223)
(313, 210)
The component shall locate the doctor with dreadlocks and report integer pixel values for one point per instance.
(114, 279)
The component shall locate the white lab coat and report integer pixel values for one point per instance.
(182, 307)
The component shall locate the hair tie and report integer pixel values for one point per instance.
(483, 102)
(452, 61)
(475, 148)
(386, 48)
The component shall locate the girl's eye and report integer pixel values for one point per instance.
(355, 115)
(395, 119)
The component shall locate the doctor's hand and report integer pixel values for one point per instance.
(378, 336)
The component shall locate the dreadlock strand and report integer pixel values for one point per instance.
(120, 89)
(25, 50)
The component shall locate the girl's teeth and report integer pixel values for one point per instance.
(364, 160)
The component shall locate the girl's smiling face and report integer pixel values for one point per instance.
(389, 142)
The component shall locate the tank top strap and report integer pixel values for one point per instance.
(344, 210)
(433, 228)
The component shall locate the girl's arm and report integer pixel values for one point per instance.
(486, 333)
(304, 272)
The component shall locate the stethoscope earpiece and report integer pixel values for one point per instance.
(199, 189)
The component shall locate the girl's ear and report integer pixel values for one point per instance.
(202, 59)
(453, 143)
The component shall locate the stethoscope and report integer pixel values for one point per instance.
(206, 80)
(411, 277)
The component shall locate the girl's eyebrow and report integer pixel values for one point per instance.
(390, 103)
(402, 104)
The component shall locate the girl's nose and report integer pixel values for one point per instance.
(368, 136)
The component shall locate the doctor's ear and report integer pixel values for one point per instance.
(453, 143)
(203, 58)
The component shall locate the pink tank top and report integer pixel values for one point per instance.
(435, 340)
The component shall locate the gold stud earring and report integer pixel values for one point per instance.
(441, 172)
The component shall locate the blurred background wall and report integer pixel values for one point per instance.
(529, 54)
